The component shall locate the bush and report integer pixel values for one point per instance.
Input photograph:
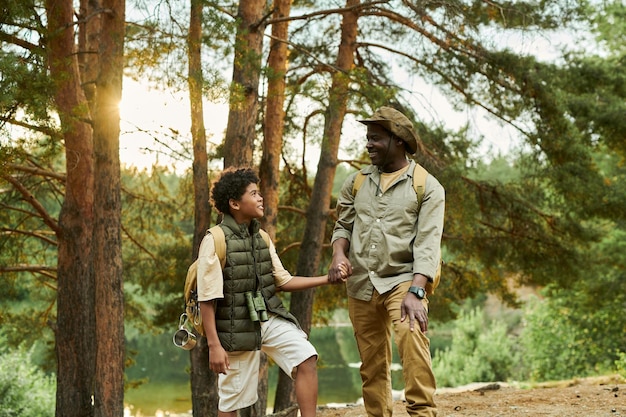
(480, 352)
(562, 339)
(620, 364)
(25, 390)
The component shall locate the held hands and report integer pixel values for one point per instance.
(340, 270)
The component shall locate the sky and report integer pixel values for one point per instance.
(144, 110)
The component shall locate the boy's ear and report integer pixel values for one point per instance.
(233, 204)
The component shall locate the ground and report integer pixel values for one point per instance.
(592, 397)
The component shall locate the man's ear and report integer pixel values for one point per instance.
(233, 204)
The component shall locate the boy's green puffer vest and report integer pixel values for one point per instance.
(248, 267)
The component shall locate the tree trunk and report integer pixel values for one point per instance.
(318, 210)
(75, 327)
(272, 147)
(110, 357)
(89, 30)
(243, 106)
(269, 171)
(242, 116)
(203, 380)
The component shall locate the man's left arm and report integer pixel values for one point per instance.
(426, 253)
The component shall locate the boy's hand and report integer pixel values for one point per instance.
(218, 360)
(343, 272)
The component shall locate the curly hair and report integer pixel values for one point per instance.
(232, 183)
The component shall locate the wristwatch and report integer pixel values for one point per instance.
(418, 291)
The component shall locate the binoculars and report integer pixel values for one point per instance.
(256, 306)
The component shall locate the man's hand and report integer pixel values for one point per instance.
(413, 308)
(218, 360)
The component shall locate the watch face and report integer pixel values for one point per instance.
(418, 291)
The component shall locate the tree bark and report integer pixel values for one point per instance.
(269, 171)
(272, 146)
(318, 210)
(89, 29)
(203, 380)
(242, 117)
(75, 328)
(109, 300)
(243, 106)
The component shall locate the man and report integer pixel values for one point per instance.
(390, 244)
(241, 312)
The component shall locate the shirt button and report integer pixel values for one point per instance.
(373, 246)
(371, 272)
(377, 220)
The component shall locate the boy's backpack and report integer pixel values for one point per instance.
(192, 306)
(419, 185)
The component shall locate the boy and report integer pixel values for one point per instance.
(241, 312)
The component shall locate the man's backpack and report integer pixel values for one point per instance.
(192, 306)
(419, 185)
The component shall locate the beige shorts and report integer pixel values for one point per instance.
(282, 341)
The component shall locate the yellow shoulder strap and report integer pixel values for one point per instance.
(419, 181)
(265, 236)
(220, 243)
(358, 181)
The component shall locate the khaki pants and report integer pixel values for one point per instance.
(372, 321)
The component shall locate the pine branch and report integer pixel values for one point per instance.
(30, 198)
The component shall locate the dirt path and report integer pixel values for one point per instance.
(592, 397)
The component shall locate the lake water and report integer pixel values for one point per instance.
(164, 368)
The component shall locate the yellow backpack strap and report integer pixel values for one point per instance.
(220, 243)
(265, 236)
(358, 181)
(191, 280)
(419, 182)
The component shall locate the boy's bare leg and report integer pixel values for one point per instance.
(306, 387)
(226, 413)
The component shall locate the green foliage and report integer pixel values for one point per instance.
(156, 359)
(25, 390)
(157, 251)
(480, 351)
(581, 331)
(608, 22)
(553, 349)
(620, 364)
(563, 338)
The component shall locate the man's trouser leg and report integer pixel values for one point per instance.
(373, 336)
(414, 350)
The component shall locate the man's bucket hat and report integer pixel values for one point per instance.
(396, 123)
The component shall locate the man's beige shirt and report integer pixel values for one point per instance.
(210, 278)
(390, 237)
